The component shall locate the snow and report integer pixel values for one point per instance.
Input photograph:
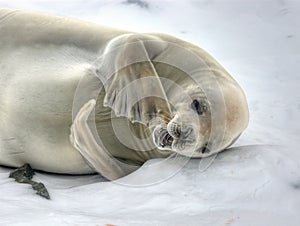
(256, 182)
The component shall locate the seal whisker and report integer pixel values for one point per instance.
(174, 129)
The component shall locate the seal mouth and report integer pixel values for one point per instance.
(166, 139)
(162, 138)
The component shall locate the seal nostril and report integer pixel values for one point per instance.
(177, 130)
(187, 133)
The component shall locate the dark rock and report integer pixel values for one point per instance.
(41, 189)
(140, 3)
(296, 186)
(24, 174)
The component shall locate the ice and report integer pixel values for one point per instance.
(256, 182)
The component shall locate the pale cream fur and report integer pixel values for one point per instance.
(44, 58)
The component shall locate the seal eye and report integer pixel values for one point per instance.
(197, 107)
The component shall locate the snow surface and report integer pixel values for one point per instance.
(256, 182)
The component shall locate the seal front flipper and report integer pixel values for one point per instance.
(133, 87)
(83, 140)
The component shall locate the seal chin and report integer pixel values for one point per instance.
(185, 148)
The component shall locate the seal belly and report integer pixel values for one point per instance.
(43, 58)
(36, 107)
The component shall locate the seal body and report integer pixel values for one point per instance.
(43, 61)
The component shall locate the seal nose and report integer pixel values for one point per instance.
(187, 133)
